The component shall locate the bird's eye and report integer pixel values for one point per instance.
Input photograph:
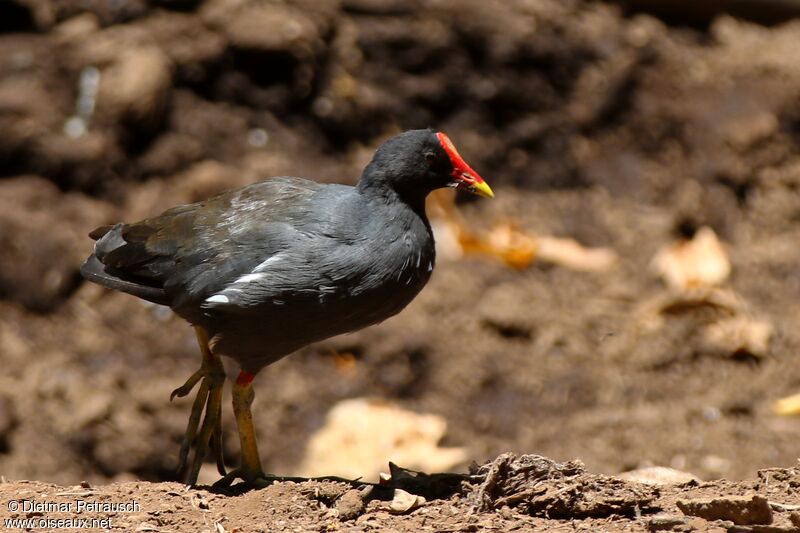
(430, 157)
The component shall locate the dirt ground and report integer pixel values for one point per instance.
(610, 127)
(525, 493)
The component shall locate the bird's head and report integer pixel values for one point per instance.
(417, 162)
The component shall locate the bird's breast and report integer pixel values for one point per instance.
(388, 277)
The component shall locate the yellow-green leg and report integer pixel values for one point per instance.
(250, 471)
(209, 398)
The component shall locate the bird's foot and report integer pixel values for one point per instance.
(252, 478)
(256, 479)
(211, 377)
(187, 387)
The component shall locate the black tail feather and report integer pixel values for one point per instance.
(99, 232)
(95, 271)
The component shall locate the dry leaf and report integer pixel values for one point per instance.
(658, 475)
(698, 262)
(787, 406)
(571, 254)
(447, 241)
(515, 248)
(508, 243)
(739, 334)
(447, 223)
(403, 501)
(360, 435)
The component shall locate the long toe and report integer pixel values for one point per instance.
(251, 478)
(212, 425)
(194, 421)
(187, 387)
(216, 443)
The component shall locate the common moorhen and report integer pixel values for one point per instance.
(266, 269)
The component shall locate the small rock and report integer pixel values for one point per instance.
(665, 522)
(350, 505)
(741, 510)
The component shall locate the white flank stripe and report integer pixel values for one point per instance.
(247, 278)
(263, 266)
(218, 299)
(258, 272)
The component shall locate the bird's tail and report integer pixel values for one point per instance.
(109, 238)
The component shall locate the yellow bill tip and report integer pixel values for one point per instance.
(482, 189)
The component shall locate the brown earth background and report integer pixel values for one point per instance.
(592, 121)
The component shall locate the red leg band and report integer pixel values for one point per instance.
(245, 378)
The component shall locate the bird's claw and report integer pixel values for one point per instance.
(187, 387)
(209, 399)
(254, 479)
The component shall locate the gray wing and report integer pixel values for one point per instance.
(192, 252)
(315, 254)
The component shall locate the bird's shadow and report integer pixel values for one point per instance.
(430, 486)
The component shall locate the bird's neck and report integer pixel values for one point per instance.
(377, 185)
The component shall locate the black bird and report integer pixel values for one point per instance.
(266, 269)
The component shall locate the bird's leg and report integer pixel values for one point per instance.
(209, 396)
(250, 471)
(242, 400)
